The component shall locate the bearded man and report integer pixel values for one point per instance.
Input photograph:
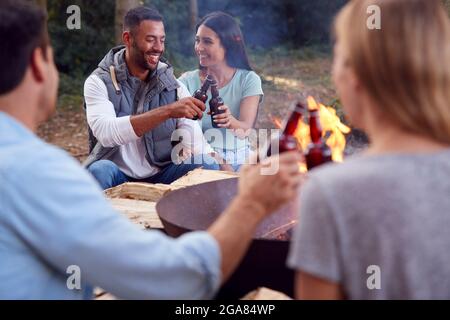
(133, 106)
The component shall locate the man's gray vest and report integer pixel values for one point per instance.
(122, 88)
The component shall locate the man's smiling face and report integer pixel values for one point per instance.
(147, 44)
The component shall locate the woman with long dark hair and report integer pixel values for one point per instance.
(220, 47)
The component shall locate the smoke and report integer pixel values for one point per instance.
(268, 23)
(262, 21)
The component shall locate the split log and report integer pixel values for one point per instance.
(142, 213)
(138, 191)
(198, 176)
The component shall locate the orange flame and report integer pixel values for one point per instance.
(330, 123)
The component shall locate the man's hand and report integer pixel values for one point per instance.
(271, 191)
(186, 108)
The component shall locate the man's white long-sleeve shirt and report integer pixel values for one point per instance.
(112, 131)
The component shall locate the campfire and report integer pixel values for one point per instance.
(332, 127)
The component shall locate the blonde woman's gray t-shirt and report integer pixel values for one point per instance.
(379, 226)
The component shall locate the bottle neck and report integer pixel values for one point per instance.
(314, 126)
(214, 91)
(204, 88)
(294, 120)
(292, 124)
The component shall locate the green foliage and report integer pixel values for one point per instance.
(70, 84)
(77, 52)
(265, 24)
(180, 38)
(70, 90)
(310, 22)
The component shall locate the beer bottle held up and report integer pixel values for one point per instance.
(215, 102)
(317, 152)
(202, 93)
(287, 139)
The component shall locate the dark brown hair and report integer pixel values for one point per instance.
(23, 28)
(135, 16)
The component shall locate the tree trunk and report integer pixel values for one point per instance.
(193, 13)
(122, 7)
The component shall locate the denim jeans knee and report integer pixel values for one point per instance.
(202, 160)
(107, 174)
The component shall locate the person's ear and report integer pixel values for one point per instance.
(126, 38)
(37, 64)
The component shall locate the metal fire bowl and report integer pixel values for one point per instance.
(197, 207)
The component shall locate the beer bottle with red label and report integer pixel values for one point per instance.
(317, 152)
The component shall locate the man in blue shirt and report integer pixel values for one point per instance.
(54, 218)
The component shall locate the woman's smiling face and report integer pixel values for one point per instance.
(208, 47)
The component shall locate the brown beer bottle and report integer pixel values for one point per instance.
(215, 102)
(317, 152)
(287, 140)
(202, 93)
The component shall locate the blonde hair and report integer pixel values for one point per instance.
(405, 65)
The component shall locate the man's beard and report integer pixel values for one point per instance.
(141, 61)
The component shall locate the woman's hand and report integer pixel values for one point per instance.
(225, 119)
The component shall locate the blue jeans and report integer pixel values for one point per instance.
(108, 174)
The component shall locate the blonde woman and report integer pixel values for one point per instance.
(377, 226)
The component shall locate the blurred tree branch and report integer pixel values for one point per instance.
(193, 13)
